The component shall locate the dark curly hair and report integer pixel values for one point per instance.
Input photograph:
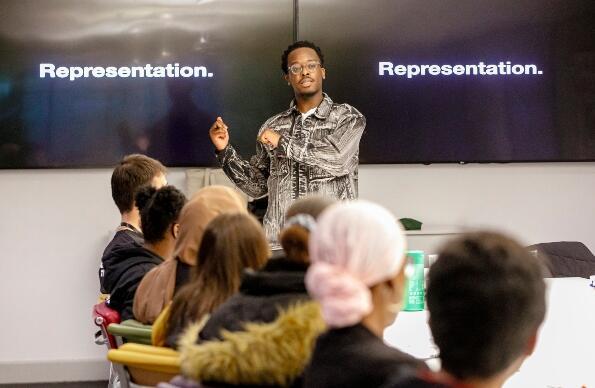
(486, 298)
(297, 45)
(159, 209)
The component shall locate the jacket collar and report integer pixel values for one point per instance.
(322, 111)
(268, 283)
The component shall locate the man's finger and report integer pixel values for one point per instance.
(218, 125)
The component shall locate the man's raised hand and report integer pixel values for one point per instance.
(219, 135)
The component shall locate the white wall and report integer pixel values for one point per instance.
(536, 202)
(55, 224)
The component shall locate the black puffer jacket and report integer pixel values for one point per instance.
(261, 337)
(128, 265)
(262, 295)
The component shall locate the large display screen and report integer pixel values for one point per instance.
(83, 83)
(462, 80)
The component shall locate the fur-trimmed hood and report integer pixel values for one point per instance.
(263, 354)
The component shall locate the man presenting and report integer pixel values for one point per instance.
(311, 148)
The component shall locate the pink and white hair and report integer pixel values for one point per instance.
(355, 245)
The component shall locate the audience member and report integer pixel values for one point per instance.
(231, 242)
(133, 172)
(358, 275)
(276, 290)
(159, 286)
(159, 212)
(486, 298)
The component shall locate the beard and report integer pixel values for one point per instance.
(307, 95)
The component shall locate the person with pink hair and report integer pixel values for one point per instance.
(357, 274)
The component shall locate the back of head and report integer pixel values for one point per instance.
(486, 298)
(300, 219)
(355, 246)
(203, 207)
(312, 206)
(231, 242)
(133, 172)
(159, 210)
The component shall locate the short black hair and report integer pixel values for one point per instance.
(297, 45)
(133, 172)
(159, 209)
(486, 298)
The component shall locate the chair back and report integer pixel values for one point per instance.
(566, 258)
(103, 316)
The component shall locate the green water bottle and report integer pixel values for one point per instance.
(414, 284)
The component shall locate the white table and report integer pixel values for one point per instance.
(565, 353)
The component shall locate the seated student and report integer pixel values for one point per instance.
(159, 212)
(486, 298)
(231, 242)
(264, 295)
(133, 172)
(159, 286)
(358, 275)
(280, 283)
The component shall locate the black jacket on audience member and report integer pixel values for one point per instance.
(128, 265)
(354, 357)
(107, 274)
(262, 294)
(273, 350)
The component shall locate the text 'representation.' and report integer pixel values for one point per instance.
(462, 80)
(83, 83)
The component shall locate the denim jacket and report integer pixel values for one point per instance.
(316, 156)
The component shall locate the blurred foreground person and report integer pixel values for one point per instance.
(486, 298)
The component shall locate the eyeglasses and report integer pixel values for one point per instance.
(297, 68)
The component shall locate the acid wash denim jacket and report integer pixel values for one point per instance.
(317, 156)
